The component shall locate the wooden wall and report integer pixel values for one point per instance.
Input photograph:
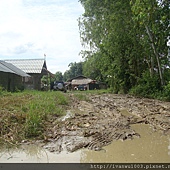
(11, 82)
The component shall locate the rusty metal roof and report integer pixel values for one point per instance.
(29, 65)
(10, 68)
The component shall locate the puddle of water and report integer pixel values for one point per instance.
(152, 147)
(126, 113)
(68, 115)
(36, 154)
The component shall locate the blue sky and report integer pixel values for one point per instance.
(31, 28)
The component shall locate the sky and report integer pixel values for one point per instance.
(31, 28)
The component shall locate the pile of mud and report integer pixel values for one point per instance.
(96, 123)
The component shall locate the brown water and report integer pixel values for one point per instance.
(152, 147)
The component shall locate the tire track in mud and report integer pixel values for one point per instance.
(100, 120)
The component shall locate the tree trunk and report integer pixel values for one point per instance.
(156, 54)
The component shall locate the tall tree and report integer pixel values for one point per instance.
(126, 38)
(90, 68)
(152, 16)
(59, 76)
(107, 27)
(75, 69)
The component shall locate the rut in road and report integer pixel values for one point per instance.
(99, 121)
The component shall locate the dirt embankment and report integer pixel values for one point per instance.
(104, 118)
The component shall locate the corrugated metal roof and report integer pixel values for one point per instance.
(29, 65)
(10, 68)
(5, 69)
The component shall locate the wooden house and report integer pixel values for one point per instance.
(11, 77)
(36, 68)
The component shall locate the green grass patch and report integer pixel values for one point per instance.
(81, 96)
(85, 95)
(25, 114)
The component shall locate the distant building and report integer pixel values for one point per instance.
(80, 81)
(11, 77)
(36, 68)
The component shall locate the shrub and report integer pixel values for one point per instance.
(1, 90)
(147, 86)
(166, 92)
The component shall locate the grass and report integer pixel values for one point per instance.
(27, 115)
(81, 96)
(98, 92)
(24, 115)
(85, 95)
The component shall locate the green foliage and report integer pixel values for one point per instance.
(85, 95)
(90, 68)
(104, 24)
(62, 99)
(75, 70)
(166, 92)
(33, 124)
(46, 79)
(126, 39)
(1, 90)
(39, 109)
(58, 76)
(152, 18)
(19, 89)
(26, 114)
(147, 86)
(81, 96)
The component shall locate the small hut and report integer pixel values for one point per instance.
(78, 81)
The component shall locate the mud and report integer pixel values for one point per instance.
(34, 153)
(152, 147)
(96, 123)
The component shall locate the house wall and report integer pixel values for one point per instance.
(10, 81)
(34, 82)
(93, 86)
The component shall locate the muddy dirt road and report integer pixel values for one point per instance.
(101, 128)
(101, 119)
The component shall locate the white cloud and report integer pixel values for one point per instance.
(30, 28)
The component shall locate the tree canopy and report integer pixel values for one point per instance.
(75, 69)
(126, 42)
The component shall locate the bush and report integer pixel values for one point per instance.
(1, 90)
(147, 86)
(166, 92)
